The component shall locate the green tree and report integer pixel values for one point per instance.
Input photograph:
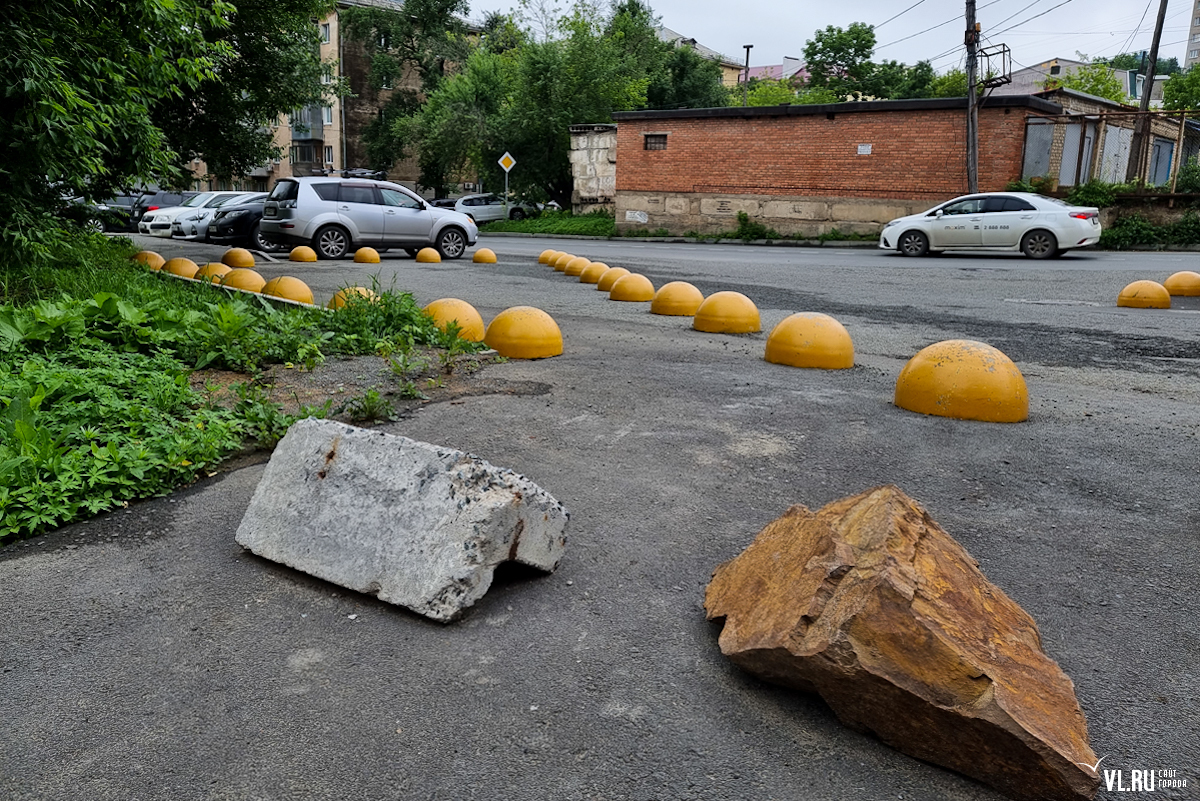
(272, 66)
(840, 59)
(1093, 78)
(1136, 61)
(687, 80)
(81, 82)
(951, 84)
(424, 36)
(770, 92)
(1182, 90)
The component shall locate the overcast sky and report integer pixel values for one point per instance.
(778, 29)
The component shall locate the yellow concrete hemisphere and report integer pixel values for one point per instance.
(577, 265)
(344, 296)
(1184, 284)
(591, 274)
(448, 310)
(484, 256)
(289, 288)
(610, 277)
(634, 287)
(429, 256)
(677, 299)
(553, 257)
(524, 332)
(213, 272)
(238, 257)
(546, 256)
(150, 259)
(242, 278)
(966, 380)
(562, 260)
(184, 268)
(303, 253)
(1145, 295)
(366, 256)
(727, 313)
(809, 339)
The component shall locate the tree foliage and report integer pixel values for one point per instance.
(1182, 90)
(840, 59)
(82, 81)
(272, 66)
(1093, 78)
(1139, 62)
(425, 37)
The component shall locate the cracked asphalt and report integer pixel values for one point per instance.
(146, 656)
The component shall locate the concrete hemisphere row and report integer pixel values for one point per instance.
(224, 274)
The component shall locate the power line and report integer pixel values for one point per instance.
(1138, 29)
(933, 28)
(1035, 16)
(1010, 16)
(901, 14)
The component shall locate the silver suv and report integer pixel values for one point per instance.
(335, 215)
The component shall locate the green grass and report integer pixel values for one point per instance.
(95, 404)
(558, 222)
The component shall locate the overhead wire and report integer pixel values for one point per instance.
(901, 14)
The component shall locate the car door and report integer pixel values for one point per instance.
(361, 209)
(405, 219)
(959, 226)
(1005, 220)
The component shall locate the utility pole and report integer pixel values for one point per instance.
(1134, 170)
(746, 79)
(972, 42)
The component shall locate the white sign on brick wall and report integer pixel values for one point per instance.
(864, 150)
(637, 216)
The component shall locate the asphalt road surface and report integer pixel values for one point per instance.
(146, 656)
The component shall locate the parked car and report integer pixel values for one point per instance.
(485, 208)
(159, 222)
(194, 225)
(237, 223)
(336, 215)
(443, 202)
(153, 201)
(1040, 227)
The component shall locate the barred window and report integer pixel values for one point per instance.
(656, 141)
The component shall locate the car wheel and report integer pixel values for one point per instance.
(1039, 244)
(913, 243)
(517, 214)
(331, 242)
(452, 243)
(95, 224)
(256, 239)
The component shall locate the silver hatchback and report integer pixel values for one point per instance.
(336, 215)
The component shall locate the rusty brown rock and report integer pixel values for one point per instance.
(869, 603)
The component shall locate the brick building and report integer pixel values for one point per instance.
(808, 169)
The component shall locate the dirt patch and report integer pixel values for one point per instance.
(364, 389)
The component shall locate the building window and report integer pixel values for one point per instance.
(327, 74)
(1055, 70)
(1194, 54)
(325, 32)
(327, 115)
(329, 155)
(656, 141)
(302, 154)
(1196, 37)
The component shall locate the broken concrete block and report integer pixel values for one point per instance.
(869, 603)
(416, 525)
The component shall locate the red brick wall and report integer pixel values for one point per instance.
(913, 154)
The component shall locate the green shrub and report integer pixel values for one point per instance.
(1095, 193)
(1188, 179)
(1129, 231)
(748, 231)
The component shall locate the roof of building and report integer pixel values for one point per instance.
(931, 104)
(677, 38)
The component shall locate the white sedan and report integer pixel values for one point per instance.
(1038, 226)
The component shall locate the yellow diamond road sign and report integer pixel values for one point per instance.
(507, 161)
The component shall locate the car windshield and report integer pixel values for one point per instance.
(198, 200)
(220, 200)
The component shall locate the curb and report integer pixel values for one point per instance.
(682, 240)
